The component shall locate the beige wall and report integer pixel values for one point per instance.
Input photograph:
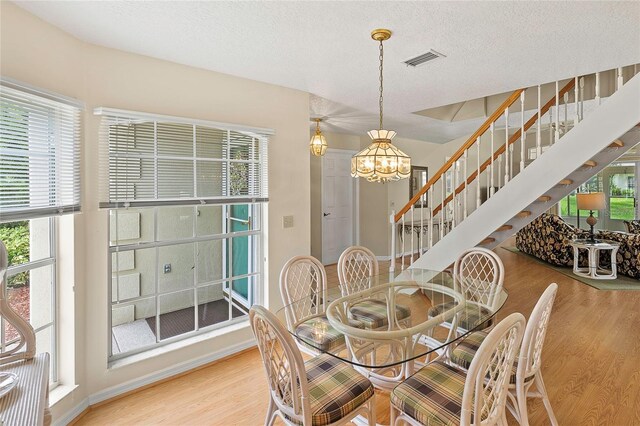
(39, 54)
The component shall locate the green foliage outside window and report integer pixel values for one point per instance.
(15, 237)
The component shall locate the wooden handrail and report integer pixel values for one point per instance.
(513, 139)
(460, 152)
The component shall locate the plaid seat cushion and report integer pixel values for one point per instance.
(471, 318)
(373, 313)
(464, 352)
(432, 396)
(335, 389)
(330, 338)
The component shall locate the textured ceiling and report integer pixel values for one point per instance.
(324, 47)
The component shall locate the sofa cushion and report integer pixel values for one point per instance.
(633, 226)
(628, 256)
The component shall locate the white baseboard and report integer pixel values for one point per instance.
(150, 379)
(383, 258)
(72, 414)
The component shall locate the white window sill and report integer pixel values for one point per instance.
(60, 392)
(161, 350)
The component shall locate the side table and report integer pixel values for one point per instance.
(594, 270)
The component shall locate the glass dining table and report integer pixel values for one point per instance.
(388, 326)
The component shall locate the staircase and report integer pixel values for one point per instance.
(569, 146)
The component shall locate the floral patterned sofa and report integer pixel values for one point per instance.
(548, 237)
(633, 226)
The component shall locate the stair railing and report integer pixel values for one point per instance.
(448, 196)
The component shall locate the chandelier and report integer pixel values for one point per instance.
(318, 143)
(381, 161)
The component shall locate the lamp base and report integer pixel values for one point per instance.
(591, 221)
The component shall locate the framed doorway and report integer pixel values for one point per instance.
(340, 205)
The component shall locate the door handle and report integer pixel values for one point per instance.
(325, 214)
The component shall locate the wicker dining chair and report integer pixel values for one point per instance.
(526, 374)
(357, 266)
(321, 391)
(303, 287)
(478, 273)
(443, 394)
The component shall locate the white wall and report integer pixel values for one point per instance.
(39, 54)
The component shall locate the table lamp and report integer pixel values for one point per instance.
(591, 201)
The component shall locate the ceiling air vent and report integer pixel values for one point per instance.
(425, 57)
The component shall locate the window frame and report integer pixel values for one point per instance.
(121, 142)
(52, 261)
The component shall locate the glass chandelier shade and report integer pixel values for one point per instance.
(318, 143)
(381, 161)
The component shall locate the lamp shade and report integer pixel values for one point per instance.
(590, 201)
(318, 144)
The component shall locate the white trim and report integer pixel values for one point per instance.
(72, 414)
(150, 379)
(258, 131)
(43, 93)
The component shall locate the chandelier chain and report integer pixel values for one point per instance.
(381, 62)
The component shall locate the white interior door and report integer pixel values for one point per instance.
(339, 205)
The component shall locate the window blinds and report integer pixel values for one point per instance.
(39, 153)
(153, 160)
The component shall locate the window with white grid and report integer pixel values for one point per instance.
(186, 200)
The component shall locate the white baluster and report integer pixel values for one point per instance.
(404, 237)
(464, 179)
(430, 217)
(597, 89)
(538, 125)
(500, 171)
(506, 146)
(581, 98)
(557, 136)
(394, 229)
(523, 135)
(443, 178)
(620, 81)
(488, 177)
(492, 167)
(566, 123)
(420, 236)
(551, 128)
(511, 149)
(454, 178)
(411, 225)
(478, 175)
(576, 99)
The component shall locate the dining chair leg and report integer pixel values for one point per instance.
(393, 415)
(271, 413)
(523, 416)
(545, 398)
(372, 411)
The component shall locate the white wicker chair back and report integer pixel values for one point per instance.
(479, 274)
(303, 280)
(485, 389)
(355, 267)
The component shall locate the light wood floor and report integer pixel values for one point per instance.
(591, 365)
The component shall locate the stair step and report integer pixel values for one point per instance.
(487, 240)
(523, 214)
(544, 198)
(616, 144)
(589, 163)
(504, 228)
(565, 182)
